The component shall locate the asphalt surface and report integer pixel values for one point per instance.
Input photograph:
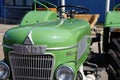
(4, 28)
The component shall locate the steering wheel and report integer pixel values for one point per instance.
(71, 12)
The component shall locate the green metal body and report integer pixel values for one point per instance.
(112, 19)
(68, 40)
(34, 17)
(61, 36)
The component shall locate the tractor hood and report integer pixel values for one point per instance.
(58, 33)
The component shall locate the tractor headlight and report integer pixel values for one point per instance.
(65, 73)
(4, 71)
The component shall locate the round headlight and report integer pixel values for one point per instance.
(4, 71)
(65, 73)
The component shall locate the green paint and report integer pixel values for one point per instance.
(60, 35)
(112, 19)
(35, 17)
(55, 34)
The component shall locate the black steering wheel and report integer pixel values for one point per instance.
(71, 12)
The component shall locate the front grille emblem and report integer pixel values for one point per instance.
(28, 40)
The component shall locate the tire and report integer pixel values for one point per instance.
(114, 57)
(111, 73)
(115, 43)
(79, 76)
(114, 66)
(113, 60)
(116, 35)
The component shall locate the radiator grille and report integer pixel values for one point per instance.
(31, 67)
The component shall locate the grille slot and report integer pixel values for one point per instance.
(31, 67)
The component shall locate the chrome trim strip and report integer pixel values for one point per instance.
(30, 37)
(10, 47)
(58, 48)
(62, 48)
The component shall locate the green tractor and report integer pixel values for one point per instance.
(111, 43)
(48, 45)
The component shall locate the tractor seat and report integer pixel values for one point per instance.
(91, 18)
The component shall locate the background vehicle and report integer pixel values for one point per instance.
(111, 43)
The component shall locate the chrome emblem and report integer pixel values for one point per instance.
(28, 40)
(29, 47)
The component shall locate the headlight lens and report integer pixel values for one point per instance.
(65, 73)
(4, 71)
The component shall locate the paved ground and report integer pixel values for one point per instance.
(4, 28)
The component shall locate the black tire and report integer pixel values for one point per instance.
(114, 56)
(79, 76)
(116, 35)
(115, 43)
(114, 61)
(112, 74)
(113, 71)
